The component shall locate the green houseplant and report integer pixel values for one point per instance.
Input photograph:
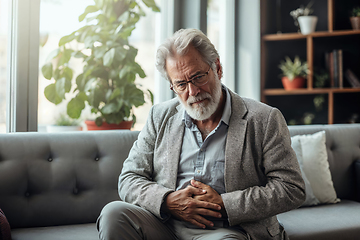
(293, 73)
(107, 81)
(355, 18)
(64, 123)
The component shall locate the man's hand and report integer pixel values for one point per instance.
(184, 206)
(210, 196)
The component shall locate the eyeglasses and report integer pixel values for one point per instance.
(198, 81)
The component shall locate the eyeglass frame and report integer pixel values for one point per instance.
(191, 81)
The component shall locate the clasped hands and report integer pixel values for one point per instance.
(194, 202)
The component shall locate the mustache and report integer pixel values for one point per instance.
(200, 97)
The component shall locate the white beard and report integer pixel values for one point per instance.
(203, 111)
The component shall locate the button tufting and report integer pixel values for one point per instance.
(97, 159)
(27, 194)
(50, 159)
(76, 191)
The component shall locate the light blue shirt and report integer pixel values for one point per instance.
(201, 160)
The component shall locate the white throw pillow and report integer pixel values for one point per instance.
(311, 200)
(316, 166)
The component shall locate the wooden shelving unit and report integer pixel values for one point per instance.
(333, 33)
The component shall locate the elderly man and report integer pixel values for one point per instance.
(208, 164)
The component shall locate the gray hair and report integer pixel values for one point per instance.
(179, 44)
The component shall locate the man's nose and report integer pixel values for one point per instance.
(193, 90)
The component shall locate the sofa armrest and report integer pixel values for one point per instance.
(357, 176)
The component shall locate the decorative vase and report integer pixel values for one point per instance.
(296, 83)
(355, 23)
(91, 126)
(307, 24)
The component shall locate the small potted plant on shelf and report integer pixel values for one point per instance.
(107, 81)
(355, 18)
(303, 20)
(293, 73)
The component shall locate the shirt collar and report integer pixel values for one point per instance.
(225, 118)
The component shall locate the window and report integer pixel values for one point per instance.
(213, 21)
(3, 62)
(59, 18)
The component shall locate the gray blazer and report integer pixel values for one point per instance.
(262, 175)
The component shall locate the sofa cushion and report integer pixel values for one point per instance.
(50, 179)
(330, 222)
(310, 197)
(66, 232)
(343, 149)
(5, 231)
(316, 166)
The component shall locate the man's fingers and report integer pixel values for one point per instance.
(195, 191)
(198, 184)
(210, 213)
(208, 205)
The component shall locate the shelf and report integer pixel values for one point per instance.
(305, 91)
(334, 32)
(295, 36)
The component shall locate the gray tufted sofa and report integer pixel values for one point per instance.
(53, 186)
(339, 221)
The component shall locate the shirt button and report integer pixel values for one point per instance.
(198, 171)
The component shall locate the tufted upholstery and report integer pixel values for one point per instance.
(48, 180)
(343, 149)
(60, 178)
(334, 221)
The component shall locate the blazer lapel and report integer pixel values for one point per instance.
(174, 137)
(235, 141)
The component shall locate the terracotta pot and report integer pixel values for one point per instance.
(298, 82)
(355, 23)
(91, 126)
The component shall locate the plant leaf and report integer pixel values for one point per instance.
(51, 95)
(110, 108)
(74, 107)
(67, 73)
(53, 54)
(134, 96)
(151, 4)
(62, 86)
(115, 93)
(66, 39)
(151, 97)
(47, 70)
(80, 82)
(109, 57)
(65, 57)
(88, 9)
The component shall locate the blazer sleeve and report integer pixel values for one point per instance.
(283, 189)
(136, 183)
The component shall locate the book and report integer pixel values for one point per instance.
(340, 68)
(335, 67)
(352, 78)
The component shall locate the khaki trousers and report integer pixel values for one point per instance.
(121, 220)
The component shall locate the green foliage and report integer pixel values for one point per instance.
(294, 69)
(355, 12)
(107, 80)
(64, 120)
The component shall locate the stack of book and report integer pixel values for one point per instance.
(334, 62)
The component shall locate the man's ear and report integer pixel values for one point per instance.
(218, 68)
